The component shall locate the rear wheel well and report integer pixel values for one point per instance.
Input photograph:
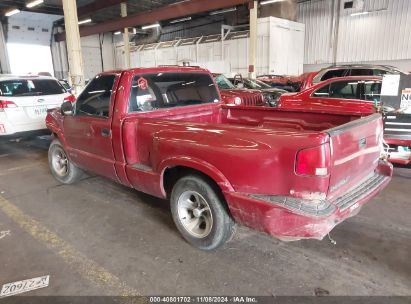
(173, 174)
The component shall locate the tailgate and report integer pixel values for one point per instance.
(355, 150)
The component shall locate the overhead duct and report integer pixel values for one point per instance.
(151, 35)
(286, 9)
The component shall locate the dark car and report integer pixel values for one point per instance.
(353, 70)
(272, 95)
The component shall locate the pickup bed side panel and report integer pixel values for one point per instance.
(235, 151)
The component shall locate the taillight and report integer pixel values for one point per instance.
(70, 98)
(5, 104)
(314, 161)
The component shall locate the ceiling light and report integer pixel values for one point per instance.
(270, 1)
(12, 12)
(180, 20)
(360, 13)
(227, 10)
(34, 3)
(117, 33)
(84, 21)
(150, 26)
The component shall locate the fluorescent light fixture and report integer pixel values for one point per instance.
(227, 10)
(84, 21)
(270, 1)
(150, 26)
(180, 20)
(12, 12)
(34, 3)
(360, 13)
(117, 33)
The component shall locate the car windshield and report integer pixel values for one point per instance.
(30, 87)
(223, 83)
(165, 90)
(256, 84)
(65, 84)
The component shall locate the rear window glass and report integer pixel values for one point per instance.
(333, 74)
(361, 72)
(30, 87)
(166, 90)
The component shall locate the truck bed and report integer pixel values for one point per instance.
(233, 138)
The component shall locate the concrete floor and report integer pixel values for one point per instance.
(100, 238)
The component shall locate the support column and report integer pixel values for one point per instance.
(126, 37)
(4, 58)
(252, 54)
(75, 58)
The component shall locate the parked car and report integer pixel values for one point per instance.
(271, 95)
(166, 133)
(347, 95)
(24, 102)
(66, 86)
(287, 83)
(360, 96)
(349, 70)
(232, 95)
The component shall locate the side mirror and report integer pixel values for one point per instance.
(67, 109)
(240, 85)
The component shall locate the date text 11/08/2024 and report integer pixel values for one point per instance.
(204, 299)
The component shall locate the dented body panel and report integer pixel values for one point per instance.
(251, 153)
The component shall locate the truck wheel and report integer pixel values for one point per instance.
(200, 214)
(60, 165)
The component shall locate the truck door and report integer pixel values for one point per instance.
(88, 131)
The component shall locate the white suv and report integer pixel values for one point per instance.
(24, 102)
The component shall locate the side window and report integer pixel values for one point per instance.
(333, 74)
(379, 72)
(372, 90)
(361, 72)
(344, 90)
(95, 99)
(323, 92)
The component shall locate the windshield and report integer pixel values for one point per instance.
(30, 87)
(165, 90)
(256, 84)
(223, 83)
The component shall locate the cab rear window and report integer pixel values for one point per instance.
(30, 87)
(166, 90)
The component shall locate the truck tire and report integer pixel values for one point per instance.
(200, 214)
(60, 165)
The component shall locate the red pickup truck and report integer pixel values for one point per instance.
(165, 132)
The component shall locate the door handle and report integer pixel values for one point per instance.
(105, 132)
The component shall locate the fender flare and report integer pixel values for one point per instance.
(198, 165)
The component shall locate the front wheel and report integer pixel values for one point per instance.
(60, 165)
(200, 214)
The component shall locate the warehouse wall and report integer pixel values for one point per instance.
(382, 36)
(280, 50)
(96, 58)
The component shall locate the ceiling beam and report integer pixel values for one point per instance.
(171, 11)
(97, 5)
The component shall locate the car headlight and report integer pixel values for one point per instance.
(237, 101)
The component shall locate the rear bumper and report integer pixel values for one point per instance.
(291, 219)
(7, 129)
